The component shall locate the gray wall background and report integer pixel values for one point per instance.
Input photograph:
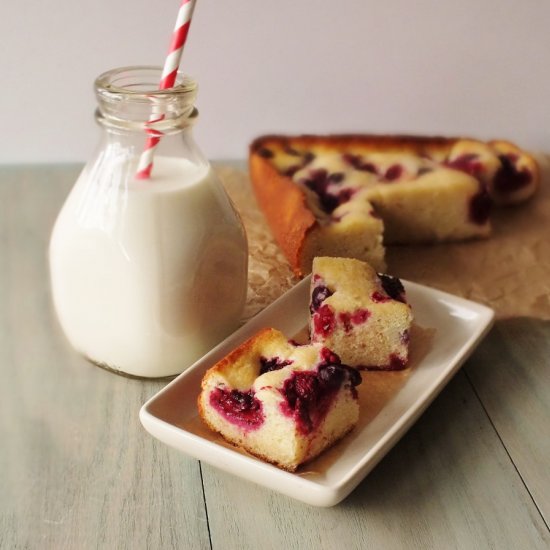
(475, 67)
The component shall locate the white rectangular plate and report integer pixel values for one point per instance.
(447, 329)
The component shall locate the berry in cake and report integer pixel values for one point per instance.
(282, 402)
(517, 176)
(349, 195)
(361, 315)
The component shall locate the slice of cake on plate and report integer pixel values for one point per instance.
(361, 315)
(349, 195)
(279, 401)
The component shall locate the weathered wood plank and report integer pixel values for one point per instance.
(78, 471)
(76, 468)
(511, 374)
(448, 484)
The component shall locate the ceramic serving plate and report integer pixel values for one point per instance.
(445, 332)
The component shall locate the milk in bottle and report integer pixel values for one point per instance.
(147, 274)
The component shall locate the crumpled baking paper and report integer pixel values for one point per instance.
(509, 271)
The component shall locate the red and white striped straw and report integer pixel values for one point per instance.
(168, 78)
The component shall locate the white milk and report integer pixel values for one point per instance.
(149, 275)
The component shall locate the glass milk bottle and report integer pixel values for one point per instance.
(147, 274)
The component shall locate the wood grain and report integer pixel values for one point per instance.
(511, 375)
(448, 484)
(77, 470)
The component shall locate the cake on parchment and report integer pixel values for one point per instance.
(349, 195)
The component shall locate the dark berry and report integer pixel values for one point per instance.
(508, 178)
(329, 357)
(354, 376)
(238, 407)
(468, 163)
(238, 401)
(336, 177)
(308, 394)
(319, 181)
(379, 297)
(291, 151)
(301, 392)
(323, 320)
(359, 316)
(334, 375)
(304, 161)
(345, 318)
(396, 362)
(266, 153)
(331, 375)
(306, 386)
(308, 157)
(393, 287)
(480, 207)
(318, 296)
(345, 195)
(274, 363)
(393, 173)
(303, 416)
(359, 164)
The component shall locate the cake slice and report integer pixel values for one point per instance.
(280, 402)
(361, 315)
(349, 195)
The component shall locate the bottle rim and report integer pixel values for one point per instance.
(141, 81)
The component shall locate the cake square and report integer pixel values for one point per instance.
(361, 315)
(281, 402)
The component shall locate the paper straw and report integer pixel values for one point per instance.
(168, 78)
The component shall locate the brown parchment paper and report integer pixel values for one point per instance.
(509, 272)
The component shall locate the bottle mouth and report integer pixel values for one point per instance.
(141, 82)
(130, 97)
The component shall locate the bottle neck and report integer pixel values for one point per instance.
(129, 101)
(132, 111)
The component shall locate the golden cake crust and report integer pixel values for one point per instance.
(227, 362)
(419, 145)
(285, 208)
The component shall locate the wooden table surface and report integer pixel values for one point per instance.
(78, 471)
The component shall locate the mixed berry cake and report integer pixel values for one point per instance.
(350, 195)
(281, 402)
(361, 315)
